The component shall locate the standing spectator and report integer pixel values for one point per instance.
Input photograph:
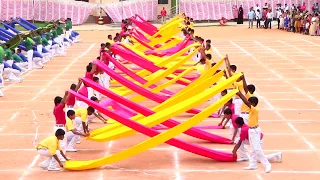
(163, 14)
(306, 27)
(235, 12)
(293, 7)
(278, 14)
(298, 7)
(250, 17)
(297, 23)
(240, 15)
(258, 16)
(286, 8)
(293, 21)
(265, 12)
(316, 8)
(269, 19)
(303, 7)
(314, 25)
(281, 20)
(265, 6)
(269, 7)
(257, 8)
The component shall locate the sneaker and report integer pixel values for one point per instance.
(1, 94)
(21, 80)
(78, 142)
(242, 159)
(279, 157)
(250, 168)
(54, 169)
(71, 150)
(268, 168)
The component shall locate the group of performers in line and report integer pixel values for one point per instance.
(22, 52)
(240, 114)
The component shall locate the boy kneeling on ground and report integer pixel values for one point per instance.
(49, 148)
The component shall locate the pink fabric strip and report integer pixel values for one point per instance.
(144, 92)
(133, 75)
(194, 132)
(193, 148)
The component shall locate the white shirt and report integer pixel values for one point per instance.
(258, 15)
(256, 8)
(278, 13)
(269, 15)
(286, 8)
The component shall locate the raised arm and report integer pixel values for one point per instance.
(245, 86)
(244, 99)
(94, 66)
(226, 59)
(65, 98)
(79, 85)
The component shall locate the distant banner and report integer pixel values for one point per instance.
(46, 10)
(117, 11)
(216, 9)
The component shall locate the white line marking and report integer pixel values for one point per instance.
(315, 44)
(29, 168)
(27, 171)
(276, 110)
(259, 177)
(109, 146)
(308, 54)
(188, 171)
(176, 165)
(13, 116)
(62, 72)
(37, 128)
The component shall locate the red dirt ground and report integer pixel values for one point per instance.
(283, 66)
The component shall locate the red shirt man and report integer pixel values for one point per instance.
(163, 12)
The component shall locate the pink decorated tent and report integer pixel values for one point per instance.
(46, 10)
(117, 11)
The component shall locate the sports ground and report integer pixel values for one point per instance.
(283, 67)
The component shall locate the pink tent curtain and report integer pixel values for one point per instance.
(46, 10)
(117, 11)
(215, 9)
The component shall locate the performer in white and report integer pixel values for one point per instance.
(245, 139)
